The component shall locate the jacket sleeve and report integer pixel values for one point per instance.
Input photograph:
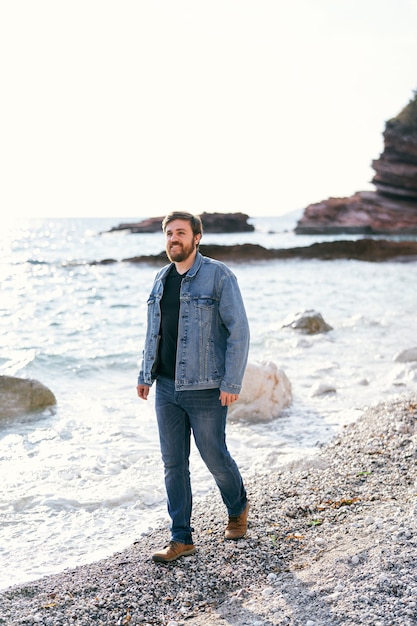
(233, 316)
(141, 377)
(146, 374)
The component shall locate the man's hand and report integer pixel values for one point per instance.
(143, 391)
(228, 398)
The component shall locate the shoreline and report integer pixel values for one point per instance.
(332, 540)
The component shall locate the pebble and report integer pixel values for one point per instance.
(289, 569)
(268, 591)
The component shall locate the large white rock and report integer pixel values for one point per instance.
(266, 391)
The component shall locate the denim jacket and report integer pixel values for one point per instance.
(213, 330)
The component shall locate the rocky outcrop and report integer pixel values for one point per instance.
(212, 223)
(396, 168)
(392, 208)
(362, 250)
(19, 396)
(366, 212)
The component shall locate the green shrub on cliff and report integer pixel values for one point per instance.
(406, 120)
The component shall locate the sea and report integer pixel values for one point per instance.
(85, 480)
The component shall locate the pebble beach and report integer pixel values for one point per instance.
(332, 540)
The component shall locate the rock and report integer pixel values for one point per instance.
(396, 168)
(406, 355)
(239, 252)
(322, 389)
(392, 208)
(366, 212)
(362, 249)
(226, 223)
(21, 395)
(212, 223)
(266, 391)
(308, 322)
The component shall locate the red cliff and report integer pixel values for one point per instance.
(392, 208)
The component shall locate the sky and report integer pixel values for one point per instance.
(133, 108)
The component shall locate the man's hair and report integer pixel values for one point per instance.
(194, 221)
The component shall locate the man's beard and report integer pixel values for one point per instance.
(181, 252)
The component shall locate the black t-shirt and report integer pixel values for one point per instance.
(170, 310)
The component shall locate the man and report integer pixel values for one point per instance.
(196, 348)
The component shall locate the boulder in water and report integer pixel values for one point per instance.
(22, 395)
(309, 322)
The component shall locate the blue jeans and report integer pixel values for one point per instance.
(200, 411)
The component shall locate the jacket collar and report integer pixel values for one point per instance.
(191, 272)
(196, 265)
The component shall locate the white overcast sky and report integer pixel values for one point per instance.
(138, 107)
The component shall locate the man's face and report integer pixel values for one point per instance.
(180, 241)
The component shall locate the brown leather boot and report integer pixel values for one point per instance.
(173, 551)
(238, 525)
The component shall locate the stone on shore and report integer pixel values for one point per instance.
(266, 391)
(19, 396)
(405, 356)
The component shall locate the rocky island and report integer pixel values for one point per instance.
(392, 208)
(212, 223)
